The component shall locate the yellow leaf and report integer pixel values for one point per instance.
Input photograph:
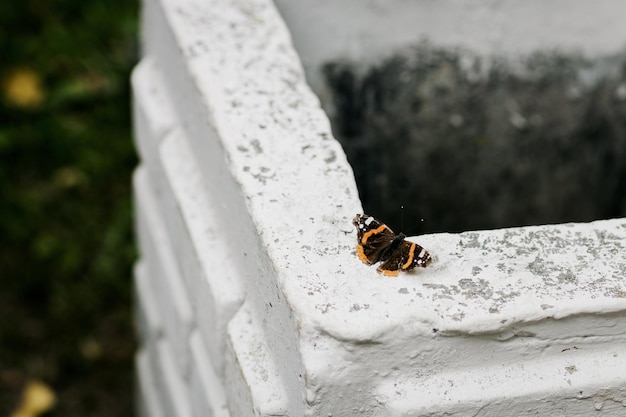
(22, 88)
(37, 398)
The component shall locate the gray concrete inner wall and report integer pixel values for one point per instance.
(366, 31)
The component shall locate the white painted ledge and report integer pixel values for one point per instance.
(244, 207)
(512, 321)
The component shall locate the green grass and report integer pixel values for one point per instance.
(66, 240)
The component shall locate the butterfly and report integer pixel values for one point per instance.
(376, 242)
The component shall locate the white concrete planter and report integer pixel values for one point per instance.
(251, 301)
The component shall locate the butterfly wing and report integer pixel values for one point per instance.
(373, 237)
(408, 256)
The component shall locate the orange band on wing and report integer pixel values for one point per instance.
(388, 273)
(372, 232)
(410, 258)
(361, 254)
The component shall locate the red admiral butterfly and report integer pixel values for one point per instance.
(378, 243)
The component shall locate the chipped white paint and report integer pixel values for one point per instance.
(244, 208)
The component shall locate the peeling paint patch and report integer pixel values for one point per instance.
(256, 145)
(480, 288)
(538, 267)
(469, 240)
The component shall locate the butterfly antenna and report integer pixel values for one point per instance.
(401, 218)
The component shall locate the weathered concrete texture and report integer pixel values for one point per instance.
(522, 321)
(538, 140)
(495, 281)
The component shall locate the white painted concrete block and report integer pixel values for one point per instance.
(173, 389)
(153, 117)
(562, 385)
(207, 392)
(252, 378)
(163, 269)
(148, 403)
(153, 121)
(202, 247)
(148, 320)
(186, 212)
(199, 116)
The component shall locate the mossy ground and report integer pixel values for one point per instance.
(66, 239)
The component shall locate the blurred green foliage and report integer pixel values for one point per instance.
(66, 240)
